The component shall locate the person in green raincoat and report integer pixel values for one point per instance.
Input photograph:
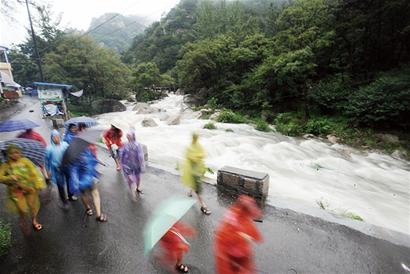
(194, 170)
(23, 181)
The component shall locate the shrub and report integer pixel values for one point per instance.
(383, 103)
(228, 116)
(5, 238)
(212, 103)
(210, 126)
(289, 124)
(319, 126)
(330, 94)
(262, 125)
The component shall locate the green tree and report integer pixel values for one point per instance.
(80, 61)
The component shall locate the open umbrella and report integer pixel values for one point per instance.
(31, 149)
(88, 121)
(164, 217)
(79, 144)
(14, 125)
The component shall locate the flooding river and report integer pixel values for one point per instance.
(374, 186)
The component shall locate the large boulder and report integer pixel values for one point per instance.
(144, 108)
(174, 120)
(149, 122)
(107, 105)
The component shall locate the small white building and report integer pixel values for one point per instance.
(8, 88)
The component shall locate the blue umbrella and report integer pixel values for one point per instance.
(14, 125)
(89, 122)
(31, 149)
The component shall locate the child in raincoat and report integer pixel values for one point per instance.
(23, 182)
(234, 237)
(132, 162)
(54, 155)
(194, 170)
(174, 245)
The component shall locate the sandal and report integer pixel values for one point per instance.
(206, 211)
(182, 268)
(89, 212)
(102, 218)
(37, 227)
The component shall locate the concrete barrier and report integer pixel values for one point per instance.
(255, 184)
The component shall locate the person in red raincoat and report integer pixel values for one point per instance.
(32, 135)
(112, 139)
(234, 237)
(174, 245)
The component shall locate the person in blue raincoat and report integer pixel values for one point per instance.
(83, 175)
(70, 133)
(54, 155)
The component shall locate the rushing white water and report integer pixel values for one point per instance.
(374, 186)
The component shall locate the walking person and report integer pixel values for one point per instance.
(83, 176)
(33, 135)
(132, 162)
(70, 133)
(174, 246)
(112, 139)
(194, 170)
(23, 182)
(54, 155)
(234, 237)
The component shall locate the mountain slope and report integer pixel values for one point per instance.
(117, 33)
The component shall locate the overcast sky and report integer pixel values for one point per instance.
(78, 14)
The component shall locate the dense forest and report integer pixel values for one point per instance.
(316, 66)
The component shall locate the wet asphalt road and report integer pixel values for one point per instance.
(293, 242)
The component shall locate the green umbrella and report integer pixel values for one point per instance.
(164, 217)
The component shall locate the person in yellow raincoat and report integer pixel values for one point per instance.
(194, 170)
(23, 182)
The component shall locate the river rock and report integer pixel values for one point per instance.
(308, 136)
(174, 120)
(131, 99)
(107, 105)
(332, 138)
(400, 154)
(214, 116)
(144, 108)
(179, 92)
(389, 138)
(149, 122)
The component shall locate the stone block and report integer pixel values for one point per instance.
(255, 184)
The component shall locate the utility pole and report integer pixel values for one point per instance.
(35, 44)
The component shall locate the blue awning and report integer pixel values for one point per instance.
(51, 85)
